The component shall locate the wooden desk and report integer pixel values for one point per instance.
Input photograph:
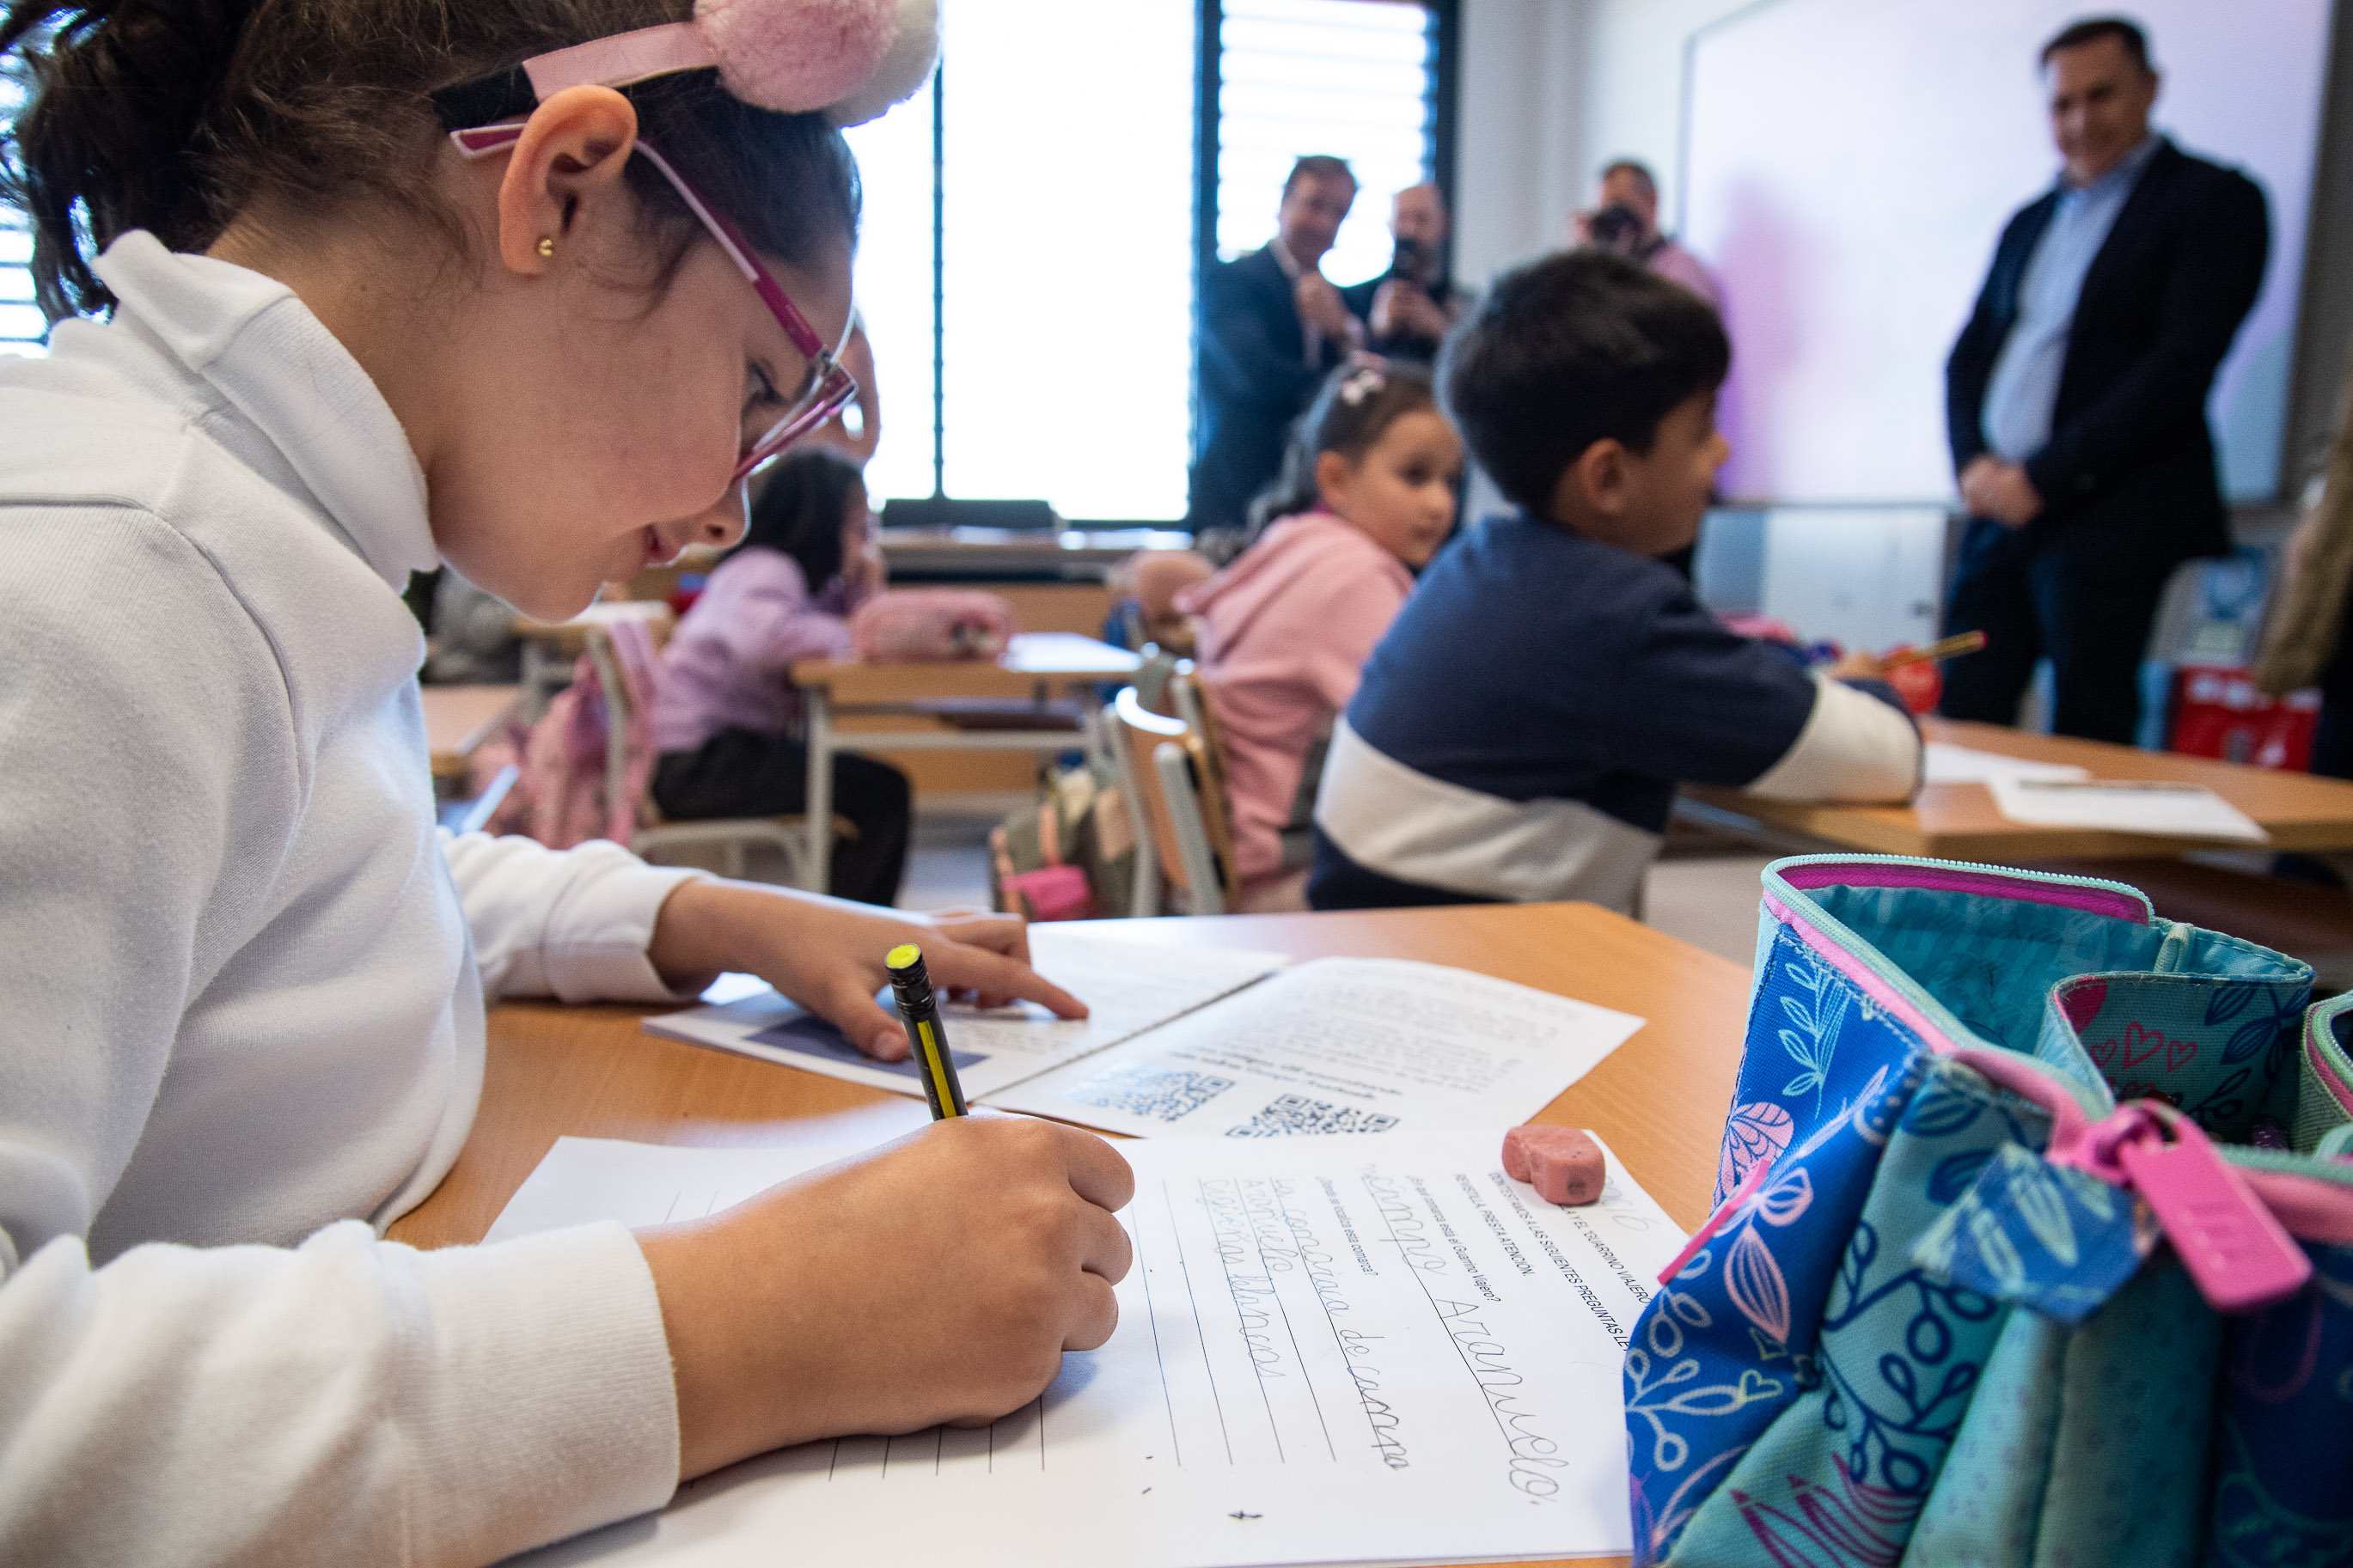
(983, 554)
(1959, 822)
(1659, 1100)
(459, 718)
(1036, 668)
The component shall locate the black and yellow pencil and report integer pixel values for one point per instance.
(910, 987)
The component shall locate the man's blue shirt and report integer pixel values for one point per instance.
(2024, 387)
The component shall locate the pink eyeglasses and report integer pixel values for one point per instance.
(507, 97)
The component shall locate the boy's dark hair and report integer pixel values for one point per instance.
(1349, 417)
(1319, 166)
(804, 497)
(2091, 29)
(176, 115)
(1580, 347)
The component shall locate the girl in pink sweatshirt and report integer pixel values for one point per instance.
(1366, 498)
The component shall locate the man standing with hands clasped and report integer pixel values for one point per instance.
(2076, 395)
(1273, 327)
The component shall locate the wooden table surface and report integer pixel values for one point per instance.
(459, 718)
(1659, 1100)
(1034, 658)
(1959, 822)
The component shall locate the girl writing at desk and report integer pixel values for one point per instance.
(389, 282)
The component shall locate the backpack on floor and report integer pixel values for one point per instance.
(1071, 856)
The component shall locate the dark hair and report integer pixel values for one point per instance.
(1349, 415)
(1319, 166)
(176, 115)
(799, 510)
(1644, 181)
(1580, 347)
(2091, 29)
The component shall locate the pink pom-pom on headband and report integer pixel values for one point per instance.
(797, 55)
(852, 58)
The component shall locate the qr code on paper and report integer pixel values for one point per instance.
(1296, 1113)
(1164, 1094)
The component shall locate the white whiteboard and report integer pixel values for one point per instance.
(1849, 164)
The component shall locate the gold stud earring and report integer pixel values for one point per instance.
(546, 246)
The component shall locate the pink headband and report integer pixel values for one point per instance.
(851, 58)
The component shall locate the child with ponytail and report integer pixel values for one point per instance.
(527, 286)
(1364, 499)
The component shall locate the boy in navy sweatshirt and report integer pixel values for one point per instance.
(1520, 732)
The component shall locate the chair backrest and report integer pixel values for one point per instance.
(1184, 798)
(623, 657)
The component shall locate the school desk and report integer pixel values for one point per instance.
(459, 718)
(1659, 1100)
(1959, 822)
(1035, 669)
(982, 556)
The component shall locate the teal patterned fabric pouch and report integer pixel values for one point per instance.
(2033, 1244)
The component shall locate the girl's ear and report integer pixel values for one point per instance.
(572, 154)
(1334, 476)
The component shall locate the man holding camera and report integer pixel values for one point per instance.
(1627, 222)
(1408, 309)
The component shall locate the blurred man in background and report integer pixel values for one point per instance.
(1408, 308)
(1626, 220)
(2075, 398)
(1272, 328)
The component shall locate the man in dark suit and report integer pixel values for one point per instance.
(2076, 395)
(1272, 328)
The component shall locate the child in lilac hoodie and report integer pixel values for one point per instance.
(725, 705)
(1366, 498)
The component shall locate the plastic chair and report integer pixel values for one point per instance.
(1167, 765)
(623, 657)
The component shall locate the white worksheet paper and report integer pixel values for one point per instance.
(2126, 805)
(1329, 1350)
(1338, 1045)
(1947, 763)
(1128, 987)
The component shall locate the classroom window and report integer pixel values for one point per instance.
(22, 328)
(1356, 78)
(1055, 151)
(1058, 226)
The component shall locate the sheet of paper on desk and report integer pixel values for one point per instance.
(1329, 1350)
(1128, 987)
(1947, 763)
(2126, 805)
(1337, 1045)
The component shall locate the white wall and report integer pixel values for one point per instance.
(1517, 160)
(1551, 89)
(1633, 88)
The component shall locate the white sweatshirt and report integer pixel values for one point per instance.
(241, 989)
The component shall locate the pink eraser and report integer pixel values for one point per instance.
(1563, 1163)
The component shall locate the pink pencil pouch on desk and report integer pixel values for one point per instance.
(931, 625)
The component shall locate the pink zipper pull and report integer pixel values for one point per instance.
(2240, 1256)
